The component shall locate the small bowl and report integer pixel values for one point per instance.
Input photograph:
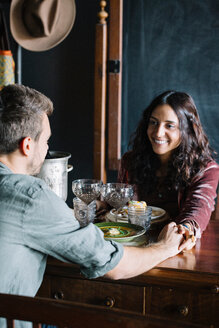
(120, 214)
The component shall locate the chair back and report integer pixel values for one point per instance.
(65, 314)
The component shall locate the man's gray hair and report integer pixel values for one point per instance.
(21, 113)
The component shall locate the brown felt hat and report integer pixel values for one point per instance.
(40, 25)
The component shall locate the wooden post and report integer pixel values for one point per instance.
(100, 95)
(115, 83)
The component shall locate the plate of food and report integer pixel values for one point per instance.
(119, 231)
(157, 213)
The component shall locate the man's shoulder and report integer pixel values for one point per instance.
(22, 183)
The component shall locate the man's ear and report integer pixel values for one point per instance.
(26, 145)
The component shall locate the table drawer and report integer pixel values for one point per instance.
(197, 306)
(105, 294)
(168, 302)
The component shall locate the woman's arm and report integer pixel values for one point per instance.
(197, 203)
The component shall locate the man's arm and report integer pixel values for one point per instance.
(137, 260)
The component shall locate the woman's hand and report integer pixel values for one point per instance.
(189, 238)
(101, 207)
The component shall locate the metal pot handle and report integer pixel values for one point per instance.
(70, 168)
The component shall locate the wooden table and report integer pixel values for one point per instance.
(183, 290)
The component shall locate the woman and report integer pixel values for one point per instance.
(171, 163)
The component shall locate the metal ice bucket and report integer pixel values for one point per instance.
(54, 172)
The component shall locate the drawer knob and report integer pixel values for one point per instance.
(183, 310)
(109, 301)
(59, 295)
(215, 289)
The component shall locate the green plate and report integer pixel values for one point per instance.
(124, 231)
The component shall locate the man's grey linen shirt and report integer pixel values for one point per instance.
(34, 223)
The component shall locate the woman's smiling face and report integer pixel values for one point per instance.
(163, 131)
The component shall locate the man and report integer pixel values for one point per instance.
(35, 222)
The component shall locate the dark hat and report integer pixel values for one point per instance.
(40, 25)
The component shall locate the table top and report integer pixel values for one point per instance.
(204, 257)
(195, 267)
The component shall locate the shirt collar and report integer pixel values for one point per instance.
(4, 168)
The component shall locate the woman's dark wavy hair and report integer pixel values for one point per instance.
(188, 159)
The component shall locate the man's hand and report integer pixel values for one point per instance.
(171, 239)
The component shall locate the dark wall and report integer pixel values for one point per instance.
(65, 74)
(171, 44)
(167, 44)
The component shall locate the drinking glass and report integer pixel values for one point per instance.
(87, 189)
(84, 213)
(117, 194)
(140, 216)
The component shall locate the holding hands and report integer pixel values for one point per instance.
(188, 233)
(178, 238)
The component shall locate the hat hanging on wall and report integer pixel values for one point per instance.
(40, 25)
